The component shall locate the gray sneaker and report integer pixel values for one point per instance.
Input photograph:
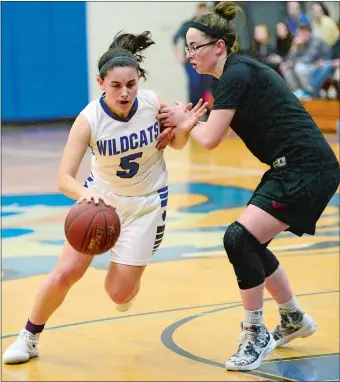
(255, 344)
(293, 325)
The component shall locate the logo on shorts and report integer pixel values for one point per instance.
(164, 215)
(278, 206)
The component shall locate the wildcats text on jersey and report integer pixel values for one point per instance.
(131, 142)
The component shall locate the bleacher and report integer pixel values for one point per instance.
(325, 113)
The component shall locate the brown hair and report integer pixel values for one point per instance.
(220, 20)
(125, 50)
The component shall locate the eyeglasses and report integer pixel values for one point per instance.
(191, 51)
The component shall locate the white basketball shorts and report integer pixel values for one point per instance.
(142, 221)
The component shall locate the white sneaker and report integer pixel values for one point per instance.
(255, 344)
(293, 325)
(124, 307)
(24, 348)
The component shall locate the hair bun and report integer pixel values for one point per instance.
(227, 10)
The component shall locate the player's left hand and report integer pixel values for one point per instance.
(165, 138)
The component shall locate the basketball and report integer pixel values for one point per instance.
(92, 229)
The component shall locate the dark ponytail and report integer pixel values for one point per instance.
(125, 50)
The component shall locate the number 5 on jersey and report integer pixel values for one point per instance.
(131, 168)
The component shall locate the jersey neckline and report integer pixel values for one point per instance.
(115, 116)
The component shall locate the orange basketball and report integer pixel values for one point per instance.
(92, 229)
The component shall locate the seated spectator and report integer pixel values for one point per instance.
(296, 16)
(263, 48)
(305, 52)
(323, 26)
(326, 69)
(283, 43)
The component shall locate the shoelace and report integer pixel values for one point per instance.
(29, 339)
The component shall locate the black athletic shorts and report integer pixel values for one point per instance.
(297, 197)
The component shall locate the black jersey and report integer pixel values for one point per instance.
(269, 119)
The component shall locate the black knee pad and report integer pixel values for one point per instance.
(243, 251)
(269, 260)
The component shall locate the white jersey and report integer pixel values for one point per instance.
(125, 159)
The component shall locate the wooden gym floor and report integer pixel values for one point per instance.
(185, 321)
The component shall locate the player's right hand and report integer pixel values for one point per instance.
(91, 195)
(184, 116)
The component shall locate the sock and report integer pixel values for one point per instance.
(291, 305)
(33, 328)
(254, 317)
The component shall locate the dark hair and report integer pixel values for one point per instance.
(283, 44)
(322, 5)
(125, 50)
(220, 20)
(305, 27)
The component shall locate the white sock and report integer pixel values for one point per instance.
(254, 317)
(291, 305)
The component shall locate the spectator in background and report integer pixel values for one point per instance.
(327, 69)
(301, 61)
(283, 44)
(295, 16)
(323, 26)
(263, 47)
(284, 39)
(198, 85)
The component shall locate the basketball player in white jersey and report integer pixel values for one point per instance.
(128, 172)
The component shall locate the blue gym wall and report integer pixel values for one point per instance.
(44, 65)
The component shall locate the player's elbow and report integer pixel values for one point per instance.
(210, 143)
(62, 182)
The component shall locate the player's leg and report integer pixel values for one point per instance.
(303, 207)
(256, 267)
(70, 268)
(122, 284)
(294, 322)
(141, 234)
(242, 242)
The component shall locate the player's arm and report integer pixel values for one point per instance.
(176, 138)
(211, 133)
(74, 151)
(208, 134)
(229, 93)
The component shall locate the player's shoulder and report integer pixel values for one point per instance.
(238, 63)
(240, 68)
(92, 112)
(91, 106)
(148, 97)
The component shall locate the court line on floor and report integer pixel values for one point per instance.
(168, 340)
(114, 318)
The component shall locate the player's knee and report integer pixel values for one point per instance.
(243, 251)
(119, 295)
(65, 279)
(270, 262)
(236, 238)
